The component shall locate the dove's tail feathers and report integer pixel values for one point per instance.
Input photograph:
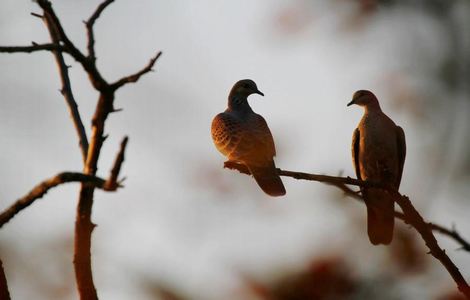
(380, 216)
(268, 179)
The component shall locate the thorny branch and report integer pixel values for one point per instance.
(410, 216)
(105, 106)
(90, 148)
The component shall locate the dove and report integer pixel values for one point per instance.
(243, 136)
(378, 154)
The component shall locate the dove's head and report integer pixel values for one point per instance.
(245, 88)
(365, 99)
(240, 92)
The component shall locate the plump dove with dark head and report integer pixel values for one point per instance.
(244, 137)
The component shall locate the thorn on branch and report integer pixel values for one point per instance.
(121, 181)
(115, 110)
(37, 15)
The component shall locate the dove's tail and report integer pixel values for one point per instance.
(268, 179)
(380, 216)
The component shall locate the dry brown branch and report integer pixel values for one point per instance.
(413, 218)
(4, 294)
(112, 181)
(89, 65)
(135, 77)
(66, 90)
(105, 106)
(42, 188)
(410, 216)
(33, 48)
(89, 26)
(90, 148)
(451, 233)
(333, 180)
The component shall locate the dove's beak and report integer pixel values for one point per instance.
(259, 93)
(351, 103)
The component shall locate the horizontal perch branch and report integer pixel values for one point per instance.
(410, 216)
(341, 183)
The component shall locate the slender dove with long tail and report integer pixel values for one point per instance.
(378, 154)
(244, 137)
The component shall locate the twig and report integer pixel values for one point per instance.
(4, 294)
(410, 216)
(135, 77)
(112, 181)
(90, 67)
(453, 234)
(42, 188)
(67, 90)
(89, 26)
(33, 48)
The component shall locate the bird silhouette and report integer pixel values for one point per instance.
(244, 137)
(378, 154)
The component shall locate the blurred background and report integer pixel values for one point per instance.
(185, 228)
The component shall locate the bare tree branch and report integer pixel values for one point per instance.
(4, 294)
(89, 26)
(332, 180)
(83, 224)
(135, 77)
(90, 150)
(451, 233)
(42, 188)
(33, 48)
(96, 79)
(410, 216)
(67, 90)
(413, 218)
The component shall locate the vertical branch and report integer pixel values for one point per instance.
(83, 224)
(4, 294)
(66, 89)
(90, 150)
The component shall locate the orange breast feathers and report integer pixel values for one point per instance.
(243, 140)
